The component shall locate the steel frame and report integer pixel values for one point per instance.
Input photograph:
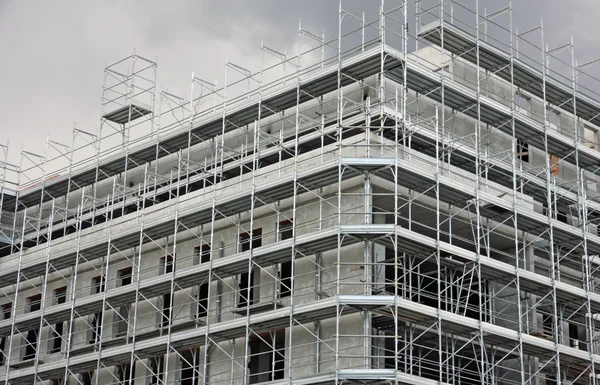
(428, 243)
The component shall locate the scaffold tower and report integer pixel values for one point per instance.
(413, 201)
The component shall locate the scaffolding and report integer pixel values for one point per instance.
(393, 205)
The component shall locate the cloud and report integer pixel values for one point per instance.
(53, 53)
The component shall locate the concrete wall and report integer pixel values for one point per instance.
(226, 237)
(457, 125)
(301, 351)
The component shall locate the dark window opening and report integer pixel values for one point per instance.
(425, 278)
(6, 314)
(279, 368)
(125, 276)
(202, 253)
(203, 300)
(2, 349)
(561, 217)
(286, 279)
(98, 284)
(246, 294)
(389, 271)
(522, 151)
(34, 302)
(126, 373)
(31, 345)
(6, 310)
(246, 297)
(547, 324)
(96, 327)
(166, 310)
(60, 295)
(190, 367)
(267, 360)
(256, 240)
(244, 242)
(573, 334)
(122, 317)
(392, 354)
(573, 331)
(166, 264)
(157, 366)
(86, 378)
(57, 337)
(286, 230)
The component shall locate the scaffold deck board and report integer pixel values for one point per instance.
(526, 77)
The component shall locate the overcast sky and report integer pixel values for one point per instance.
(53, 52)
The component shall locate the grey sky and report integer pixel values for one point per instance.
(53, 52)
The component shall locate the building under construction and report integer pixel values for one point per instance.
(413, 201)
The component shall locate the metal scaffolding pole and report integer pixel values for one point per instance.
(413, 206)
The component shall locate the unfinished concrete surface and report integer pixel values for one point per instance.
(393, 207)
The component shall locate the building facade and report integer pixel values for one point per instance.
(420, 208)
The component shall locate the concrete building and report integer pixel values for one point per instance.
(390, 207)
